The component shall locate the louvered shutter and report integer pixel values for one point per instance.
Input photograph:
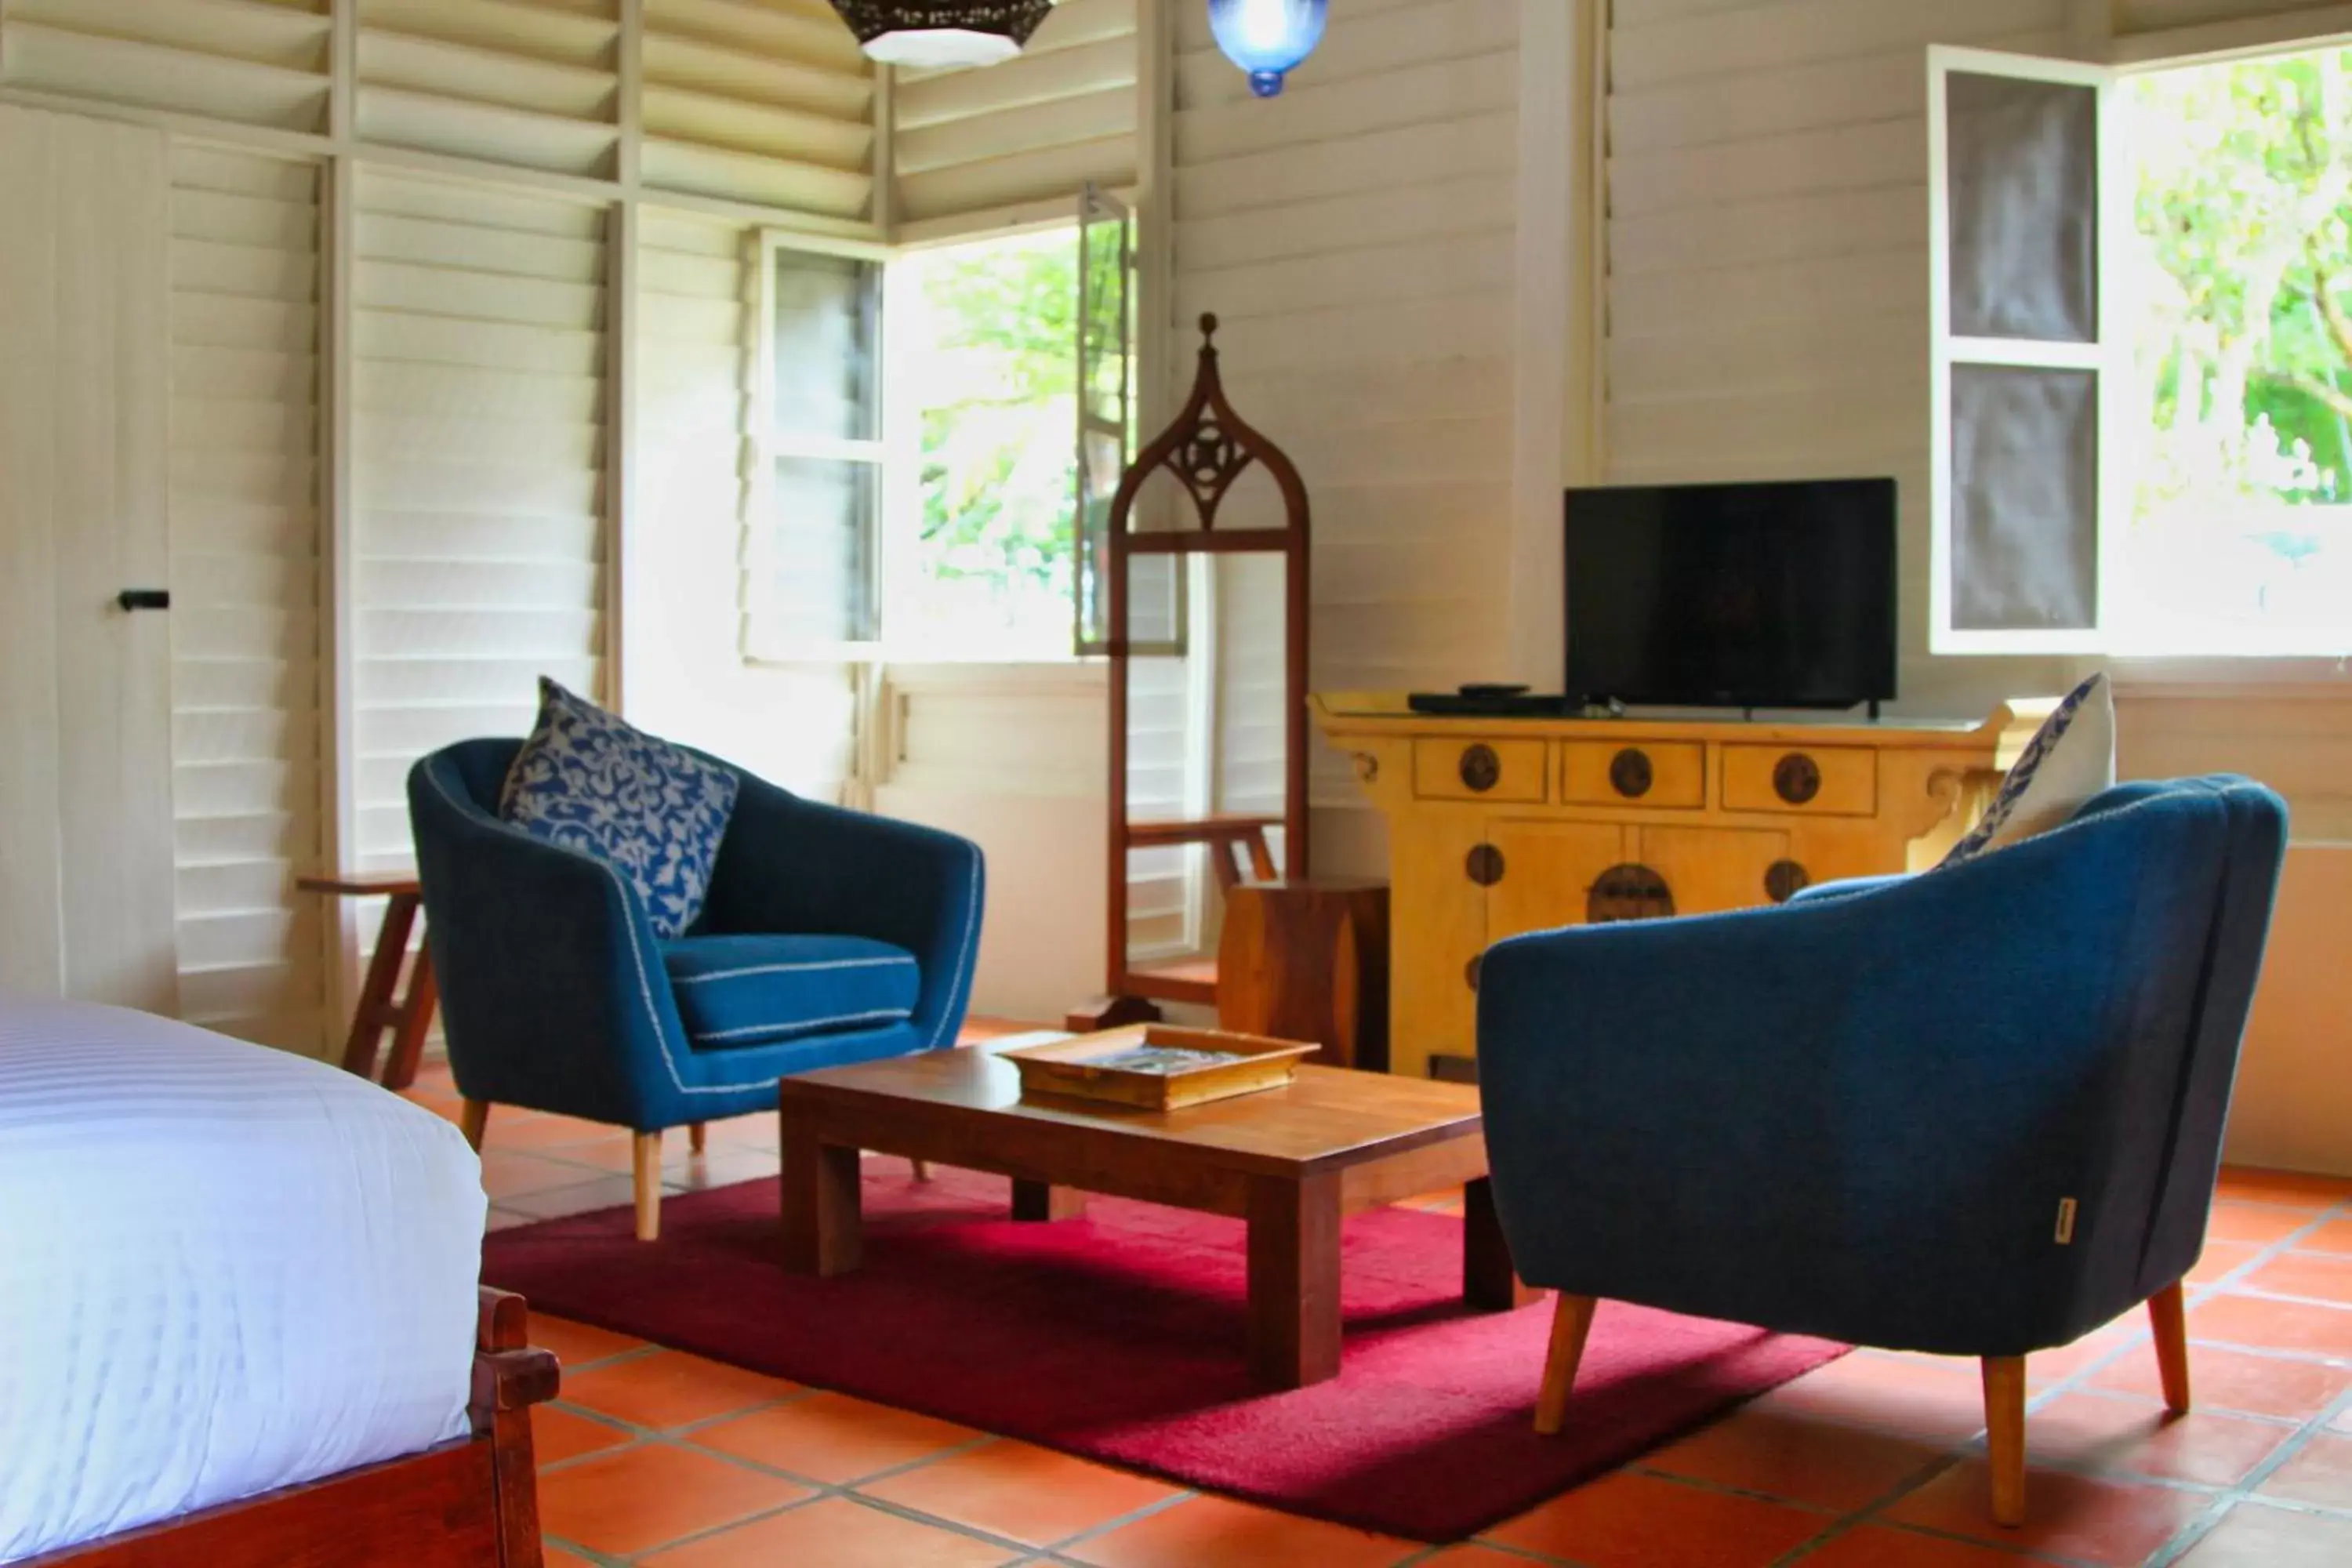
(1039, 127)
(477, 477)
(759, 100)
(245, 673)
(527, 82)
(253, 62)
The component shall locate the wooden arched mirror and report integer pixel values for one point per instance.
(1206, 449)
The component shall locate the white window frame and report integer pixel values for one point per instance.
(768, 445)
(2108, 358)
(895, 453)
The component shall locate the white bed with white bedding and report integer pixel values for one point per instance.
(222, 1269)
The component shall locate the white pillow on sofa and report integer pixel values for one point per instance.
(2070, 759)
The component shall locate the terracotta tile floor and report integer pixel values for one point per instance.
(653, 1458)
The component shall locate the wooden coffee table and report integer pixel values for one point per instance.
(1290, 1161)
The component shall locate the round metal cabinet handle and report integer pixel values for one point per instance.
(1485, 864)
(1629, 892)
(1630, 773)
(1785, 879)
(1482, 769)
(1797, 778)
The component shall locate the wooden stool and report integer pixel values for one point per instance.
(1307, 959)
(411, 1015)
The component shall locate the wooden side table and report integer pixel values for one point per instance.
(408, 1017)
(1307, 959)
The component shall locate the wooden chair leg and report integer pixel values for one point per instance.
(2168, 1315)
(647, 1152)
(375, 1008)
(698, 1137)
(473, 1119)
(1571, 1321)
(2005, 1399)
(414, 1018)
(922, 1169)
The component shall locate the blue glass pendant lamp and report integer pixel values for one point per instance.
(1267, 38)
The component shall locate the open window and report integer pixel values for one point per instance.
(939, 433)
(2142, 347)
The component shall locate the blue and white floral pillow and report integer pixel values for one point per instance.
(653, 811)
(2070, 759)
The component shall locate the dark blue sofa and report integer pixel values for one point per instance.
(1976, 1112)
(830, 936)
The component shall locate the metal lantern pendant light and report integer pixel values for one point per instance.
(1267, 38)
(936, 33)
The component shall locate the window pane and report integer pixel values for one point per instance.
(817, 571)
(1098, 480)
(2024, 174)
(828, 332)
(985, 355)
(2025, 484)
(1102, 383)
(2241, 525)
(1105, 410)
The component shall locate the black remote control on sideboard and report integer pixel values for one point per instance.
(1493, 701)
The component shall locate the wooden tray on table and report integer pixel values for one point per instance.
(1156, 1066)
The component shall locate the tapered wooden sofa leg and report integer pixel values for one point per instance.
(647, 1162)
(473, 1121)
(2005, 1399)
(698, 1137)
(2167, 1314)
(1572, 1323)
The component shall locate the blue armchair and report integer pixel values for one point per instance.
(829, 936)
(1976, 1112)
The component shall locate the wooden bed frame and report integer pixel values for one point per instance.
(471, 1503)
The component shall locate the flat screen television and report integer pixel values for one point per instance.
(1741, 595)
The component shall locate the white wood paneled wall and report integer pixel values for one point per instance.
(765, 101)
(421, 380)
(2139, 16)
(1034, 128)
(247, 739)
(1355, 237)
(260, 63)
(752, 107)
(1767, 256)
(533, 82)
(479, 419)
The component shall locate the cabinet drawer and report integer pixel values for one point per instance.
(1818, 781)
(1478, 770)
(1646, 772)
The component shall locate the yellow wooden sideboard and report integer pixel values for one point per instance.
(1503, 826)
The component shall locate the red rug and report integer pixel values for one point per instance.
(1118, 1337)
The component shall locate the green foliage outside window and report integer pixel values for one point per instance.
(995, 375)
(2241, 286)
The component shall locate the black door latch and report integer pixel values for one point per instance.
(144, 598)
